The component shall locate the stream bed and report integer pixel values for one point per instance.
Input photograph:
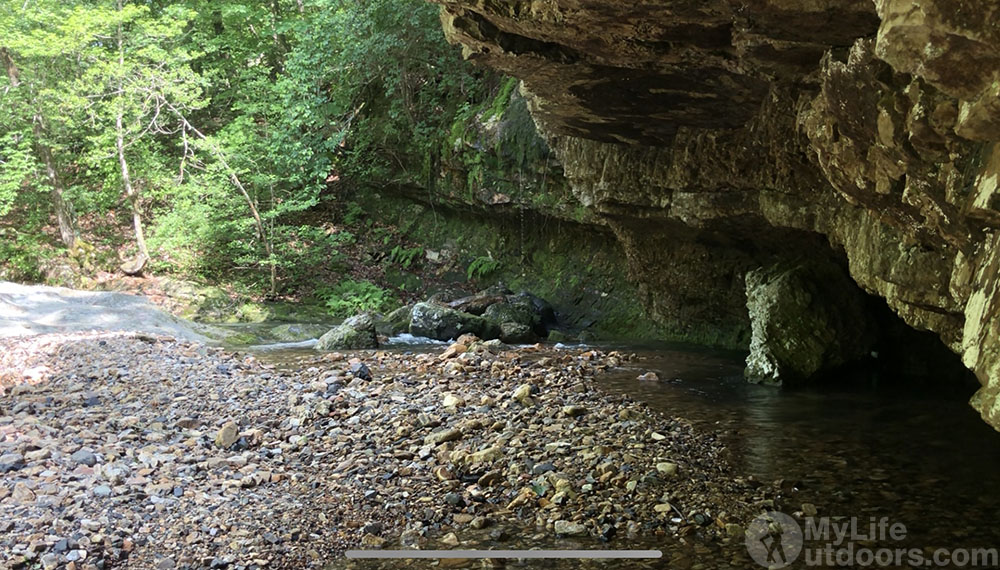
(920, 457)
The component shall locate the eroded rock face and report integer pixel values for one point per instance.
(714, 135)
(807, 319)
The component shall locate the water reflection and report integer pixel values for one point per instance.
(919, 456)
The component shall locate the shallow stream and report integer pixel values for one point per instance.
(922, 458)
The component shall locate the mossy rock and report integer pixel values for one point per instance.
(441, 323)
(296, 332)
(355, 333)
(396, 322)
(517, 333)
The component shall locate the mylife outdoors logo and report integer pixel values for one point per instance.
(776, 540)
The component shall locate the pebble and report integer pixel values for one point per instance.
(228, 435)
(666, 468)
(523, 394)
(317, 470)
(568, 528)
(11, 462)
(84, 457)
(22, 493)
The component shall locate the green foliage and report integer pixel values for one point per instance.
(353, 213)
(23, 254)
(481, 267)
(405, 256)
(350, 297)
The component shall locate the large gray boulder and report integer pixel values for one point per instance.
(806, 318)
(354, 333)
(442, 323)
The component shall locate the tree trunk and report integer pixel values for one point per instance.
(130, 193)
(62, 206)
(65, 215)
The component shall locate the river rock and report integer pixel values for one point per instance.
(443, 436)
(523, 395)
(568, 528)
(396, 322)
(441, 323)
(84, 457)
(228, 434)
(666, 469)
(11, 462)
(22, 493)
(478, 304)
(517, 333)
(357, 332)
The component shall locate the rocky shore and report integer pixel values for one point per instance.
(129, 450)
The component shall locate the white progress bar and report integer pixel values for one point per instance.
(566, 554)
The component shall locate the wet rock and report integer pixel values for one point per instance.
(441, 323)
(517, 333)
(357, 332)
(296, 332)
(360, 370)
(396, 322)
(478, 303)
(568, 528)
(648, 377)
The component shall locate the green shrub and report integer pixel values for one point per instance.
(350, 297)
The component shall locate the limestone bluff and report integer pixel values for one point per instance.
(718, 137)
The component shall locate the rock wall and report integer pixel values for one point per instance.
(717, 136)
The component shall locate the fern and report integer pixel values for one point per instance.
(481, 267)
(405, 256)
(350, 297)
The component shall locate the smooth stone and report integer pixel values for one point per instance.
(666, 468)
(443, 436)
(569, 528)
(228, 435)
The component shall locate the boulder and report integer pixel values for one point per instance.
(806, 319)
(517, 333)
(521, 313)
(354, 333)
(478, 303)
(524, 308)
(443, 323)
(396, 322)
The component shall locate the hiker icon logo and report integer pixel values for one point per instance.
(774, 540)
